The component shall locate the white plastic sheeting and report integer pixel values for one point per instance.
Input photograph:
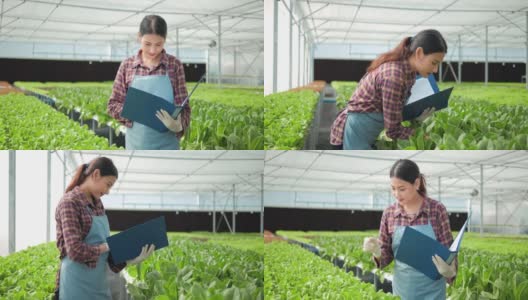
(165, 172)
(148, 180)
(363, 29)
(348, 171)
(360, 180)
(375, 21)
(107, 30)
(118, 21)
(182, 180)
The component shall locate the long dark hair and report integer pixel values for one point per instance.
(408, 170)
(104, 164)
(153, 24)
(430, 40)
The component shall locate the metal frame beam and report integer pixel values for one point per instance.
(12, 202)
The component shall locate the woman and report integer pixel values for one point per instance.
(154, 71)
(82, 229)
(413, 208)
(378, 100)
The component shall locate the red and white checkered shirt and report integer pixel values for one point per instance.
(385, 90)
(134, 65)
(73, 225)
(430, 211)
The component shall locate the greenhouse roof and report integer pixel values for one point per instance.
(118, 21)
(180, 171)
(372, 21)
(455, 173)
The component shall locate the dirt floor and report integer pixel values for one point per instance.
(6, 88)
(316, 86)
(270, 237)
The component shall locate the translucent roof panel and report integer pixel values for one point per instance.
(453, 172)
(333, 21)
(173, 171)
(118, 20)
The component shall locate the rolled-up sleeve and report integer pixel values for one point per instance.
(117, 99)
(386, 243)
(392, 93)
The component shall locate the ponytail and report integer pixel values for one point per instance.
(401, 52)
(422, 190)
(105, 166)
(78, 177)
(430, 40)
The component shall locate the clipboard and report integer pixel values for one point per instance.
(416, 250)
(141, 107)
(127, 244)
(425, 94)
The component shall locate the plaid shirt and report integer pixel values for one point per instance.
(134, 65)
(73, 224)
(430, 211)
(385, 90)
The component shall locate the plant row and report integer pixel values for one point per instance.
(189, 269)
(225, 117)
(294, 273)
(26, 123)
(287, 119)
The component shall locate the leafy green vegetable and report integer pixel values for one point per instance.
(30, 273)
(27, 123)
(287, 119)
(190, 269)
(294, 273)
(222, 117)
(479, 117)
(490, 266)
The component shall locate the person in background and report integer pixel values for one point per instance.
(156, 72)
(378, 100)
(415, 209)
(82, 229)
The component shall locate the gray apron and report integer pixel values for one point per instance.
(410, 284)
(362, 130)
(141, 137)
(80, 282)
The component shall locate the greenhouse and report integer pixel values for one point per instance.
(338, 198)
(263, 149)
(211, 202)
(66, 55)
(317, 52)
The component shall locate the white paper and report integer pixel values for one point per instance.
(421, 89)
(456, 242)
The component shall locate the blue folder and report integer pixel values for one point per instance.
(438, 101)
(416, 250)
(127, 244)
(141, 107)
(431, 97)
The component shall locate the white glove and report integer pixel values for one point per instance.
(146, 251)
(372, 245)
(173, 125)
(426, 114)
(448, 271)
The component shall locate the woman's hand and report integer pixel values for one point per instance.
(174, 125)
(146, 251)
(103, 248)
(372, 245)
(426, 114)
(448, 271)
